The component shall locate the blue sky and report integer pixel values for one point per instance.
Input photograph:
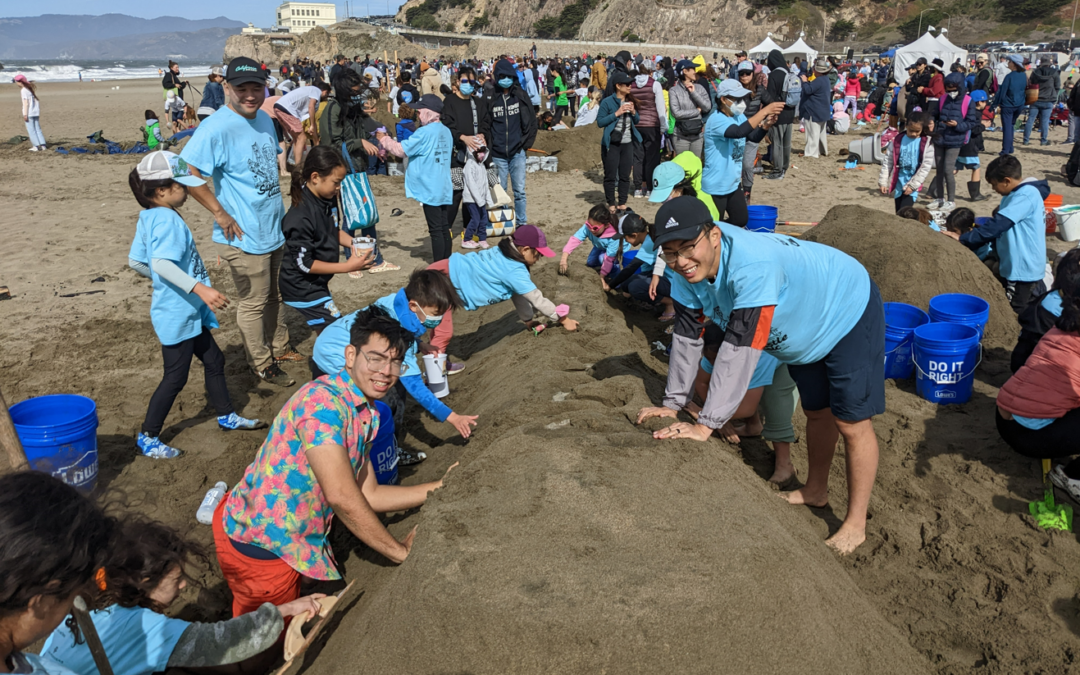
(259, 12)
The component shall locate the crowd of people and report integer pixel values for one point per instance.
(760, 323)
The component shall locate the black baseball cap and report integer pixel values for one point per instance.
(242, 70)
(680, 220)
(619, 77)
(429, 102)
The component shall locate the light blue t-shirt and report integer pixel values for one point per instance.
(723, 156)
(819, 293)
(488, 277)
(647, 252)
(427, 178)
(139, 641)
(763, 371)
(609, 246)
(241, 156)
(908, 165)
(1052, 303)
(1022, 248)
(33, 664)
(176, 315)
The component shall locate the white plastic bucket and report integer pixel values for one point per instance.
(1068, 219)
(435, 374)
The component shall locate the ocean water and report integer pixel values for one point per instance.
(68, 70)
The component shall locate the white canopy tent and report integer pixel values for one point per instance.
(762, 50)
(958, 54)
(928, 47)
(800, 48)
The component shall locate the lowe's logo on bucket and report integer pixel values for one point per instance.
(78, 473)
(946, 394)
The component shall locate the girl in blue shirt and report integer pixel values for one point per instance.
(143, 578)
(726, 135)
(182, 305)
(642, 278)
(601, 230)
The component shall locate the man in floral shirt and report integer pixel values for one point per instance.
(273, 527)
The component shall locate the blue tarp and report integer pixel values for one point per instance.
(887, 55)
(111, 148)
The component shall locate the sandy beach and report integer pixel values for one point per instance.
(568, 540)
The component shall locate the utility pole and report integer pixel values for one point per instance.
(920, 22)
(1072, 30)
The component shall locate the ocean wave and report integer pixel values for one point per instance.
(69, 72)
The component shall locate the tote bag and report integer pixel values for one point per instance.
(358, 209)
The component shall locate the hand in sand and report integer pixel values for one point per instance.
(306, 605)
(661, 411)
(683, 430)
(228, 225)
(448, 470)
(569, 324)
(406, 543)
(728, 433)
(604, 284)
(213, 298)
(564, 264)
(463, 423)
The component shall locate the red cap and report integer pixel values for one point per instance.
(533, 237)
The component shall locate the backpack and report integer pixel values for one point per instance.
(792, 89)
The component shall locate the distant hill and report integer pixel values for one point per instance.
(111, 36)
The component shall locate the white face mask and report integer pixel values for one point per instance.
(953, 94)
(738, 108)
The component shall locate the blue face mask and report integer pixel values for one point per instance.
(506, 82)
(429, 322)
(466, 88)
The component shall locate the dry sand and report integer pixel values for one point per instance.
(561, 546)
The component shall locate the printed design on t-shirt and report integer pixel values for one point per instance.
(198, 268)
(737, 151)
(406, 96)
(263, 165)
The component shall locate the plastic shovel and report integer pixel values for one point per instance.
(1049, 515)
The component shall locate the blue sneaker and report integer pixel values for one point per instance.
(232, 422)
(155, 449)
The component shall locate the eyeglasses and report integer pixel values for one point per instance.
(377, 363)
(685, 252)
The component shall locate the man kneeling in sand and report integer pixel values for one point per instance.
(812, 307)
(273, 527)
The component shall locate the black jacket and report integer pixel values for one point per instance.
(1035, 321)
(914, 98)
(513, 124)
(774, 92)
(355, 128)
(413, 94)
(457, 115)
(621, 59)
(310, 234)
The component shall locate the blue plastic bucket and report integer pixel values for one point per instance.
(762, 218)
(901, 320)
(960, 308)
(384, 449)
(946, 355)
(59, 435)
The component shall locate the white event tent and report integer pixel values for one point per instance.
(928, 47)
(762, 50)
(800, 48)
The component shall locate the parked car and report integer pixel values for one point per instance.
(873, 49)
(1065, 46)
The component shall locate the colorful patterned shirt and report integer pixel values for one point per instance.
(278, 505)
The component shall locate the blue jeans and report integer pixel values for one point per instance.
(1073, 122)
(515, 169)
(1042, 109)
(33, 130)
(1008, 120)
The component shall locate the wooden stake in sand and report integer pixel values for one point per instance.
(296, 643)
(9, 440)
(89, 631)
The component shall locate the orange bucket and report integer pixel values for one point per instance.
(1050, 203)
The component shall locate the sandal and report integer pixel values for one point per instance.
(667, 316)
(356, 275)
(395, 213)
(384, 266)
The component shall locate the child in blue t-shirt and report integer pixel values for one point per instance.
(601, 230)
(642, 278)
(134, 589)
(181, 308)
(1018, 229)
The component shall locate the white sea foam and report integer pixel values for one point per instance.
(69, 72)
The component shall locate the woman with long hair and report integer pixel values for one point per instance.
(617, 116)
(31, 112)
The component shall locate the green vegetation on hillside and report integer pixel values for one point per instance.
(423, 16)
(566, 24)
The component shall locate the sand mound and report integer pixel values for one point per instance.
(570, 541)
(911, 263)
(576, 148)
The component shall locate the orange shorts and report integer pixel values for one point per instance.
(288, 121)
(252, 581)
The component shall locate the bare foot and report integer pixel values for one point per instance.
(802, 497)
(782, 474)
(692, 409)
(728, 433)
(846, 539)
(749, 426)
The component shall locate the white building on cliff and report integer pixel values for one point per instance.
(300, 17)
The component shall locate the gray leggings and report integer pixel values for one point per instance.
(749, 155)
(946, 165)
(695, 145)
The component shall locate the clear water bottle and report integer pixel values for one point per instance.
(214, 495)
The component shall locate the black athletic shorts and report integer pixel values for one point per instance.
(320, 316)
(850, 380)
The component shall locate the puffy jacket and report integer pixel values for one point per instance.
(1049, 83)
(889, 175)
(606, 119)
(774, 92)
(953, 109)
(687, 105)
(650, 97)
(814, 105)
(1048, 385)
(513, 124)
